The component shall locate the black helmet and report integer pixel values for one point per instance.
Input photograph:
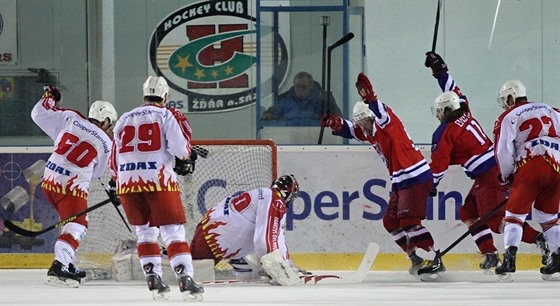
(288, 186)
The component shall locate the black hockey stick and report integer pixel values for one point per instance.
(480, 221)
(118, 210)
(337, 43)
(436, 27)
(21, 231)
(202, 152)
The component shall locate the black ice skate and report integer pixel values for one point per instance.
(156, 286)
(187, 286)
(59, 275)
(417, 263)
(490, 262)
(432, 269)
(551, 272)
(543, 247)
(506, 268)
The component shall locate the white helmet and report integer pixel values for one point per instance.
(447, 100)
(361, 111)
(100, 110)
(156, 86)
(513, 88)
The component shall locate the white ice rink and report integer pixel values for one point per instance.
(25, 287)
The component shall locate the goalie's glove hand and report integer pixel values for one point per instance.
(333, 121)
(112, 192)
(184, 167)
(365, 89)
(436, 63)
(50, 91)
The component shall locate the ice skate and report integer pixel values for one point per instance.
(506, 268)
(543, 247)
(490, 262)
(190, 290)
(432, 270)
(417, 263)
(60, 276)
(156, 285)
(158, 288)
(551, 272)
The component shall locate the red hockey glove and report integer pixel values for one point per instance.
(436, 63)
(333, 121)
(52, 92)
(365, 90)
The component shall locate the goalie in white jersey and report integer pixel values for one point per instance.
(149, 141)
(528, 153)
(82, 149)
(248, 225)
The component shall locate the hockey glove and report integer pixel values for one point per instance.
(184, 167)
(436, 63)
(112, 192)
(505, 182)
(52, 92)
(333, 121)
(365, 90)
(433, 192)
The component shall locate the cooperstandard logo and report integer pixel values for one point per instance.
(207, 52)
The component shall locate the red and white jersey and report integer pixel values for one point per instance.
(147, 140)
(460, 142)
(525, 131)
(81, 151)
(251, 222)
(406, 165)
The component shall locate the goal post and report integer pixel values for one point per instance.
(230, 166)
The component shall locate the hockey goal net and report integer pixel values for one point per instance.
(230, 166)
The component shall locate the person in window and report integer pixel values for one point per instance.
(303, 104)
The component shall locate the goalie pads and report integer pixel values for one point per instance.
(279, 270)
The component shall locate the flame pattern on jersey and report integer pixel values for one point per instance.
(140, 185)
(70, 188)
(212, 237)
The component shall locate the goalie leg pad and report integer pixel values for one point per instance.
(276, 267)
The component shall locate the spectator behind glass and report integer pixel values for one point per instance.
(302, 105)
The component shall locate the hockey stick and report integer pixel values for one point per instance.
(322, 279)
(436, 27)
(334, 45)
(118, 210)
(475, 225)
(202, 152)
(21, 231)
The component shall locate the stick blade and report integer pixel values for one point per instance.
(341, 41)
(20, 231)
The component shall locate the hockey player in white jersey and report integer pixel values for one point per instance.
(248, 229)
(82, 149)
(528, 152)
(150, 140)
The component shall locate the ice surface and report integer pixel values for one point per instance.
(25, 287)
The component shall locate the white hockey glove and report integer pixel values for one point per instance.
(279, 270)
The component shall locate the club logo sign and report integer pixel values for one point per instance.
(207, 52)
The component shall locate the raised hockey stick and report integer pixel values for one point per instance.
(21, 231)
(322, 279)
(436, 27)
(480, 221)
(344, 39)
(201, 151)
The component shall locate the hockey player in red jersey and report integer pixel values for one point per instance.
(82, 149)
(460, 140)
(411, 177)
(527, 148)
(152, 142)
(248, 229)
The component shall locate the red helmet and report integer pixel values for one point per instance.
(288, 186)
